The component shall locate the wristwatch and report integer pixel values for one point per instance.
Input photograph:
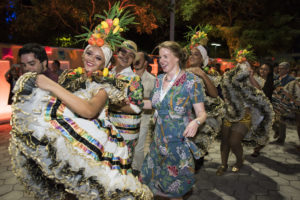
(198, 122)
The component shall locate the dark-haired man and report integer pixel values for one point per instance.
(33, 58)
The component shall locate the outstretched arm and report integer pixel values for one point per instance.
(85, 108)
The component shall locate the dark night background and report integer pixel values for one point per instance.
(272, 27)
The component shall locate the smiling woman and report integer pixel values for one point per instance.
(168, 168)
(62, 141)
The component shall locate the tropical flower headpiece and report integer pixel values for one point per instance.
(242, 55)
(113, 23)
(198, 35)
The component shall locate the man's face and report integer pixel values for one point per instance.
(125, 57)
(282, 70)
(139, 62)
(30, 63)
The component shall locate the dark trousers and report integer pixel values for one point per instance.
(280, 131)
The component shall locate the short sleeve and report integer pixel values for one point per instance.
(156, 85)
(196, 91)
(135, 92)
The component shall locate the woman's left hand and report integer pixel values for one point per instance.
(191, 129)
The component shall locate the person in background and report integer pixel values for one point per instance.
(11, 77)
(127, 118)
(140, 65)
(33, 58)
(279, 82)
(168, 168)
(56, 65)
(266, 73)
(53, 71)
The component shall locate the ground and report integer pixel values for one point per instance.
(274, 175)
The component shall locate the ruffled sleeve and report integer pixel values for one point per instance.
(115, 95)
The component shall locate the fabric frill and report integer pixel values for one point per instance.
(240, 94)
(215, 111)
(54, 151)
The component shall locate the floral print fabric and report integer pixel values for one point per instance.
(169, 167)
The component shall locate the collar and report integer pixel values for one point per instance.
(126, 72)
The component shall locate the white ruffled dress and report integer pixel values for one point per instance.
(55, 151)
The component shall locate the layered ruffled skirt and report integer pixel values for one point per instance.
(54, 151)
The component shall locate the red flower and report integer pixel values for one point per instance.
(181, 80)
(173, 171)
(157, 83)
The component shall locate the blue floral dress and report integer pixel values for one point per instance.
(168, 169)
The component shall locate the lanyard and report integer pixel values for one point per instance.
(164, 92)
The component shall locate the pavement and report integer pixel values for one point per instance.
(274, 175)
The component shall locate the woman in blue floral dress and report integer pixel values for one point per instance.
(169, 167)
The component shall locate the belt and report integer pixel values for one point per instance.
(147, 111)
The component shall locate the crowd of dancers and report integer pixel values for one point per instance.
(81, 134)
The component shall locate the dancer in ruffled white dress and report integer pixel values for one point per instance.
(249, 113)
(61, 140)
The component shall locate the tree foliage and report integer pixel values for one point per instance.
(49, 20)
(270, 26)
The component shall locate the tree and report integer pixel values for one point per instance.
(264, 24)
(50, 21)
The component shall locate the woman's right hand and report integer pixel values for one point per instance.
(197, 70)
(44, 82)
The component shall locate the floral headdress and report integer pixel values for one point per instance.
(113, 23)
(198, 35)
(242, 55)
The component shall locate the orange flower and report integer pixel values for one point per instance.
(106, 30)
(91, 41)
(99, 42)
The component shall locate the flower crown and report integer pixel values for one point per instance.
(113, 23)
(198, 35)
(242, 55)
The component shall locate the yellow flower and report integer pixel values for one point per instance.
(97, 35)
(121, 29)
(105, 72)
(79, 70)
(116, 22)
(104, 24)
(116, 29)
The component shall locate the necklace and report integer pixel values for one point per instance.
(166, 79)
